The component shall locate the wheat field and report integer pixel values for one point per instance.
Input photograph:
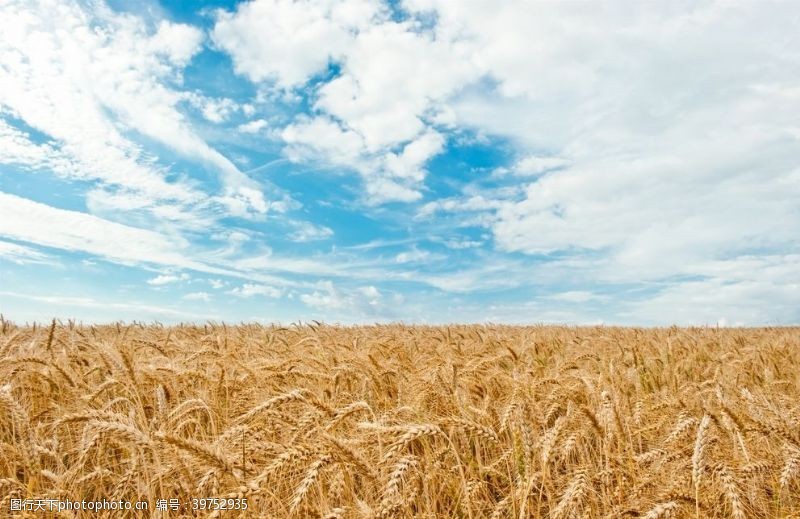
(403, 421)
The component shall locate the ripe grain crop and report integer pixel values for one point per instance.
(404, 421)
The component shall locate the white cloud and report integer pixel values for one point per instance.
(116, 164)
(389, 176)
(534, 165)
(393, 75)
(25, 220)
(408, 164)
(380, 244)
(352, 304)
(215, 110)
(217, 284)
(17, 148)
(757, 290)
(319, 30)
(655, 145)
(372, 116)
(462, 243)
(478, 203)
(164, 279)
(373, 295)
(413, 256)
(198, 296)
(651, 213)
(371, 292)
(668, 140)
(321, 135)
(574, 296)
(136, 208)
(489, 276)
(177, 41)
(327, 297)
(21, 254)
(668, 150)
(251, 289)
(307, 231)
(100, 311)
(637, 155)
(85, 77)
(32, 222)
(299, 265)
(254, 126)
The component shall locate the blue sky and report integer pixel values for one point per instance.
(417, 160)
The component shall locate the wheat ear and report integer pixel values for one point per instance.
(698, 458)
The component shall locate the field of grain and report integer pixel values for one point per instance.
(404, 421)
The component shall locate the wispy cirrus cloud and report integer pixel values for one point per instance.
(83, 88)
(22, 254)
(77, 307)
(25, 220)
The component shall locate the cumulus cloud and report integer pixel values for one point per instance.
(633, 146)
(671, 154)
(373, 116)
(319, 30)
(176, 41)
(665, 139)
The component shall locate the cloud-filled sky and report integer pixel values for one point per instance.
(414, 160)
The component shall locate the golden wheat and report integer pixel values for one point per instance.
(404, 421)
